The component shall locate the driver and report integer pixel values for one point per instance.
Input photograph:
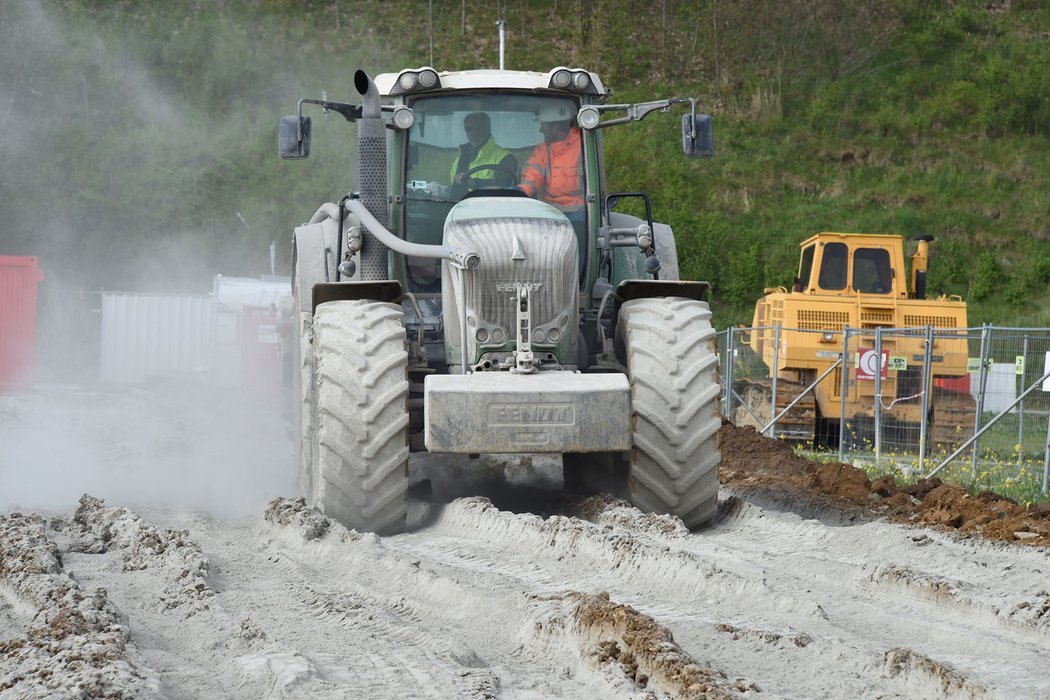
(481, 162)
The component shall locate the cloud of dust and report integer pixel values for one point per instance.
(183, 446)
(98, 131)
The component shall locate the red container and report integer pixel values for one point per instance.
(19, 278)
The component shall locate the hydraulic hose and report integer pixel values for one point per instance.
(468, 260)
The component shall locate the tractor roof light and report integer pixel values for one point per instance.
(416, 81)
(573, 80)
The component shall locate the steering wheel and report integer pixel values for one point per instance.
(459, 189)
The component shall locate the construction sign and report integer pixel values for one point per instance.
(868, 363)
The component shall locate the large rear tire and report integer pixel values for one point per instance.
(360, 446)
(302, 385)
(673, 369)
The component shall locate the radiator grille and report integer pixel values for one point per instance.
(915, 320)
(871, 317)
(776, 314)
(550, 264)
(814, 320)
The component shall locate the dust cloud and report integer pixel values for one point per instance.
(184, 446)
(139, 156)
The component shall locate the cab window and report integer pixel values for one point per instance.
(805, 269)
(871, 271)
(833, 266)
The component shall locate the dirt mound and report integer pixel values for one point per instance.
(755, 462)
(646, 650)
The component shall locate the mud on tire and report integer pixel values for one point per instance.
(360, 439)
(673, 370)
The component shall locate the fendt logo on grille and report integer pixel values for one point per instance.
(513, 286)
(531, 414)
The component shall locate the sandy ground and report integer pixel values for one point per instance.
(152, 545)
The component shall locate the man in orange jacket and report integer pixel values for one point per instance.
(554, 172)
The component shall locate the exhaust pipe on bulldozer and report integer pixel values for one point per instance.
(371, 175)
(918, 267)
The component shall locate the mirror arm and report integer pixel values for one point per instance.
(639, 111)
(350, 112)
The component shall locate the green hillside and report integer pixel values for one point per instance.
(139, 147)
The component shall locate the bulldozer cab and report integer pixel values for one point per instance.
(844, 264)
(464, 145)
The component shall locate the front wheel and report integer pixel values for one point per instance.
(360, 439)
(673, 370)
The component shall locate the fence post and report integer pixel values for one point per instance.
(982, 384)
(842, 396)
(1020, 406)
(877, 410)
(727, 410)
(927, 389)
(773, 387)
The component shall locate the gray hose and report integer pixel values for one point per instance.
(465, 259)
(327, 211)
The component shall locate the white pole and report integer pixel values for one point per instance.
(502, 40)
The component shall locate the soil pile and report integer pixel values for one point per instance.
(753, 462)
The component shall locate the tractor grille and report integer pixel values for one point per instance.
(548, 265)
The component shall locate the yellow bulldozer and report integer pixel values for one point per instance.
(855, 284)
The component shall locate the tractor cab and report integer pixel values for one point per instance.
(464, 145)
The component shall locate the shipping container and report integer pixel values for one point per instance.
(19, 280)
(149, 336)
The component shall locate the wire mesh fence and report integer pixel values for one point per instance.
(971, 404)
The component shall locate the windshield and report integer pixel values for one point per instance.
(484, 143)
(486, 126)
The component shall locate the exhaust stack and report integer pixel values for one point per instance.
(919, 261)
(371, 175)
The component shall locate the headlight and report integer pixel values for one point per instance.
(428, 79)
(416, 81)
(588, 118)
(575, 80)
(407, 81)
(404, 118)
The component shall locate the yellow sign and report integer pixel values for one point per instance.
(973, 365)
(898, 362)
(1019, 364)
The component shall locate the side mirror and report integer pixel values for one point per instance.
(293, 138)
(698, 139)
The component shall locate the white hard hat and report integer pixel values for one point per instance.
(555, 112)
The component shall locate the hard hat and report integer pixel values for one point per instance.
(555, 112)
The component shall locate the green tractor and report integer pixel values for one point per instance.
(479, 294)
